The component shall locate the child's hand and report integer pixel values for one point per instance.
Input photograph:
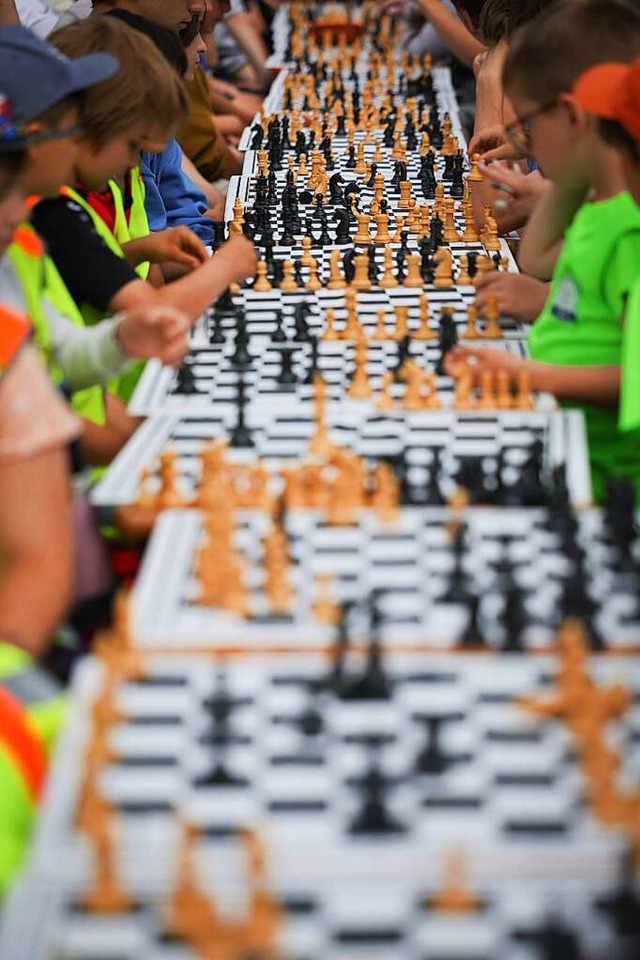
(479, 360)
(521, 192)
(157, 331)
(241, 256)
(177, 244)
(517, 295)
(492, 143)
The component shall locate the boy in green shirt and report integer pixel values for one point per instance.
(611, 91)
(585, 233)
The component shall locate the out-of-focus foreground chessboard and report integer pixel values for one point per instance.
(420, 808)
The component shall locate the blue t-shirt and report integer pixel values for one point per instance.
(172, 199)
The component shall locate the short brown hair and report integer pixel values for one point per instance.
(547, 55)
(145, 90)
(500, 18)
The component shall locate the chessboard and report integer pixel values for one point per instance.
(319, 810)
(424, 578)
(278, 368)
(432, 452)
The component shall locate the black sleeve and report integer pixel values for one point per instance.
(92, 273)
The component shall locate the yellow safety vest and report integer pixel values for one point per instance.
(39, 278)
(124, 385)
(32, 711)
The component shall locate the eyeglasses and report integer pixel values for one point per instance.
(519, 132)
(192, 29)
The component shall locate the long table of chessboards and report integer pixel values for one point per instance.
(375, 692)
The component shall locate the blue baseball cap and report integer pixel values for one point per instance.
(35, 76)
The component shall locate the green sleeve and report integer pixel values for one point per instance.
(630, 386)
(622, 271)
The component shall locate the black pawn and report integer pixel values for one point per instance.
(286, 377)
(431, 760)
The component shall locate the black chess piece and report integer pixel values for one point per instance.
(279, 335)
(342, 230)
(336, 675)
(325, 237)
(374, 817)
(447, 339)
(300, 313)
(431, 759)
(372, 269)
(401, 273)
(374, 683)
(241, 437)
(433, 495)
(287, 377)
(457, 590)
(514, 619)
(186, 380)
(298, 275)
(473, 636)
(312, 370)
(348, 265)
(216, 333)
(241, 357)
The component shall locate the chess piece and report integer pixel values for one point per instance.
(325, 606)
(401, 330)
(330, 332)
(444, 270)
(424, 331)
(471, 330)
(313, 282)
(385, 401)
(455, 896)
(307, 257)
(487, 395)
(492, 330)
(388, 278)
(474, 175)
(169, 495)
(504, 399)
(382, 229)
(380, 332)
(261, 284)
(361, 279)
(489, 236)
(524, 398)
(463, 279)
(360, 388)
(362, 237)
(414, 276)
(288, 284)
(336, 280)
(463, 388)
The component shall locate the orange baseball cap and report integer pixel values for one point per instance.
(612, 91)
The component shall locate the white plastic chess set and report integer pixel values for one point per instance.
(374, 695)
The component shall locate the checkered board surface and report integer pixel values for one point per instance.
(409, 564)
(289, 761)
(282, 438)
(216, 377)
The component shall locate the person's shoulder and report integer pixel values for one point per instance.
(60, 209)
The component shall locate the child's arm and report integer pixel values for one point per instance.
(232, 263)
(599, 386)
(174, 245)
(453, 33)
(544, 236)
(35, 505)
(101, 442)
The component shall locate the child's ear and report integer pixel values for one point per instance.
(578, 118)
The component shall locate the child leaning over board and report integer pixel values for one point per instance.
(585, 233)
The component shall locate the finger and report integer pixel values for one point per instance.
(503, 152)
(502, 177)
(485, 279)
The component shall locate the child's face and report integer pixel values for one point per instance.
(50, 164)
(96, 166)
(193, 51)
(13, 209)
(554, 134)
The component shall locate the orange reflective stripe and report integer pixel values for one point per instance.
(14, 330)
(28, 240)
(22, 742)
(31, 201)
